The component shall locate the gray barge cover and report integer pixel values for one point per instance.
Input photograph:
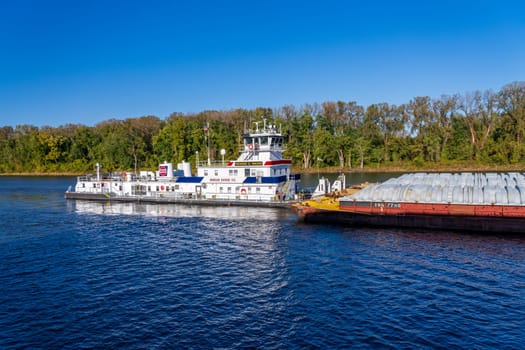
(456, 188)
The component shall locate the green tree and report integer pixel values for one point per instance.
(444, 110)
(113, 150)
(511, 100)
(302, 146)
(323, 146)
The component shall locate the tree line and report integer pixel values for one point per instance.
(480, 128)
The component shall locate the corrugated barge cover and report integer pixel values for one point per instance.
(456, 188)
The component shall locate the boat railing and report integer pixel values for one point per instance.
(265, 148)
(103, 178)
(264, 130)
(213, 163)
(167, 196)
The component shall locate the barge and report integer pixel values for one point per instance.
(259, 177)
(480, 202)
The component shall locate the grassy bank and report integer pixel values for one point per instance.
(408, 168)
(41, 174)
(401, 168)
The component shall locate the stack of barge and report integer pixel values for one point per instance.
(259, 177)
(482, 202)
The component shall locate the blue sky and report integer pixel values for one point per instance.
(83, 62)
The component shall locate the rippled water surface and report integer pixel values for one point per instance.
(79, 275)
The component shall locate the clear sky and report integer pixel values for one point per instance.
(86, 61)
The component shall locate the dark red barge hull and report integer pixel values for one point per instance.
(480, 224)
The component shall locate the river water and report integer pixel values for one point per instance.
(83, 275)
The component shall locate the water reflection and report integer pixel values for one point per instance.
(177, 210)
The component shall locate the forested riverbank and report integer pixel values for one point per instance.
(481, 130)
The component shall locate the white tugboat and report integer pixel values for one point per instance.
(259, 177)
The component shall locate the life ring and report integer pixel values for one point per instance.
(250, 146)
(124, 174)
(162, 188)
(243, 190)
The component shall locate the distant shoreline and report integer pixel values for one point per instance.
(39, 174)
(429, 169)
(335, 170)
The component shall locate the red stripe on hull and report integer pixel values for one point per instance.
(277, 162)
(497, 224)
(386, 208)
